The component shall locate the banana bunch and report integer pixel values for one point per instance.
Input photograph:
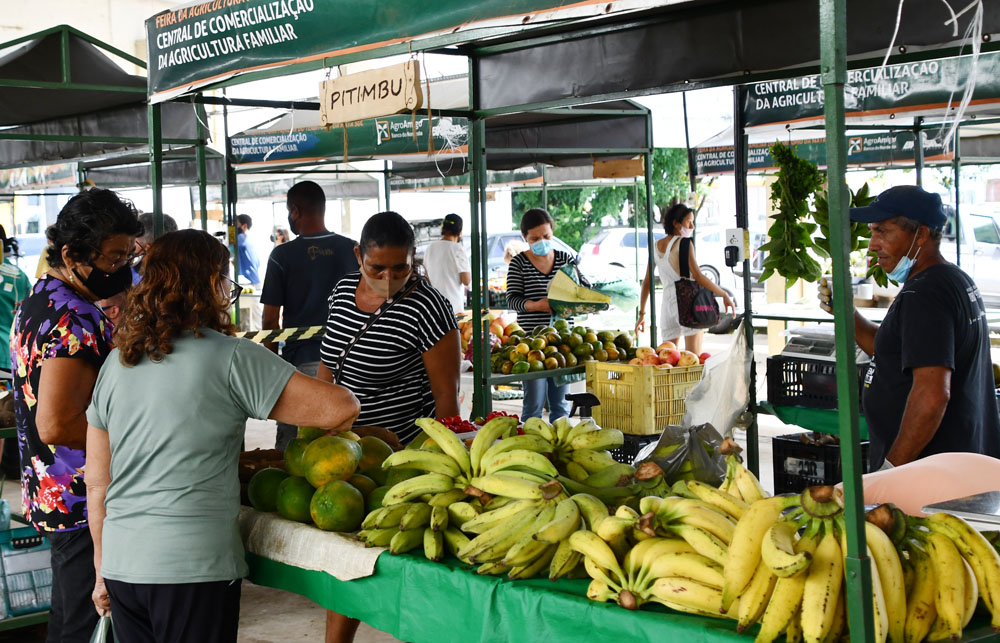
(405, 526)
(529, 535)
(631, 567)
(740, 482)
(581, 450)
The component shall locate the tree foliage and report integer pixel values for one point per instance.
(578, 212)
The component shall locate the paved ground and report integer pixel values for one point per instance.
(269, 615)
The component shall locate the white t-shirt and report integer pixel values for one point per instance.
(444, 262)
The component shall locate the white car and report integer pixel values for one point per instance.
(616, 248)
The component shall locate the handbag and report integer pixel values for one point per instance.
(696, 306)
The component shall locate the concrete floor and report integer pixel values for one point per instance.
(270, 615)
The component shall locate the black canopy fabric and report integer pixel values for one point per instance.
(179, 168)
(178, 122)
(708, 41)
(41, 60)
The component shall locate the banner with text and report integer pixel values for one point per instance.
(889, 149)
(381, 137)
(38, 177)
(197, 44)
(909, 87)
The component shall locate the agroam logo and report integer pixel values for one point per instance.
(381, 131)
(854, 145)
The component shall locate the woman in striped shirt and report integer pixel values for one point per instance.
(528, 280)
(391, 338)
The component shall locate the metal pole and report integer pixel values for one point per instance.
(650, 262)
(687, 143)
(230, 203)
(740, 167)
(635, 226)
(833, 68)
(545, 188)
(918, 148)
(202, 171)
(156, 167)
(385, 179)
(957, 164)
(480, 359)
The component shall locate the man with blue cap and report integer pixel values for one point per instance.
(929, 388)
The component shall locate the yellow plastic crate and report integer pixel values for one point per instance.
(640, 400)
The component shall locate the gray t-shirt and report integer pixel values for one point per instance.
(175, 428)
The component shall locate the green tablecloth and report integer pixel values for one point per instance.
(822, 420)
(419, 601)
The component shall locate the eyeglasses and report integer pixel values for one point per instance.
(115, 264)
(237, 290)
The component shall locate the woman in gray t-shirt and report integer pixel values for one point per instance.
(166, 424)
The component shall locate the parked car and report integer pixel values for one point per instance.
(980, 248)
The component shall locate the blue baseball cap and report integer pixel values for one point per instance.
(908, 201)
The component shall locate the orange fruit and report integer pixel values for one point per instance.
(263, 488)
(337, 506)
(363, 483)
(293, 456)
(373, 452)
(330, 458)
(293, 498)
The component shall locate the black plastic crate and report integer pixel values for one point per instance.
(797, 381)
(798, 464)
(630, 448)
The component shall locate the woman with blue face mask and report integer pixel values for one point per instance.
(528, 280)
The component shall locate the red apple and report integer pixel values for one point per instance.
(650, 360)
(644, 351)
(670, 356)
(687, 358)
(703, 357)
(665, 345)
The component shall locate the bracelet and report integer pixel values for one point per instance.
(642, 312)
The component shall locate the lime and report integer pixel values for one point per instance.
(579, 330)
(583, 350)
(536, 365)
(538, 343)
(561, 325)
(520, 368)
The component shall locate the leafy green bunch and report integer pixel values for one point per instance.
(860, 235)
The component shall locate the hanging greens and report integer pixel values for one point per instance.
(859, 233)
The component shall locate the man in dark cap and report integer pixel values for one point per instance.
(447, 265)
(929, 388)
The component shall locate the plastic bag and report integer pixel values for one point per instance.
(624, 293)
(100, 634)
(687, 454)
(722, 395)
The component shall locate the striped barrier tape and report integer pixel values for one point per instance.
(282, 334)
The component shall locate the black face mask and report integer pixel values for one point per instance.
(104, 284)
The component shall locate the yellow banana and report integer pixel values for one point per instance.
(920, 603)
(754, 599)
(777, 550)
(704, 543)
(493, 569)
(526, 549)
(392, 515)
(489, 519)
(428, 461)
(880, 613)
(750, 489)
(445, 498)
(971, 594)
(535, 567)
(530, 460)
(839, 620)
(624, 511)
(562, 427)
(586, 425)
(448, 442)
(433, 544)
(592, 509)
(979, 553)
(649, 504)
(405, 540)
(600, 592)
(720, 500)
(418, 515)
(949, 572)
(783, 610)
(683, 565)
(615, 531)
(601, 439)
(381, 537)
(591, 460)
(744, 550)
(460, 513)
(565, 521)
(576, 472)
(492, 545)
(527, 442)
(415, 487)
(591, 546)
(541, 428)
(372, 518)
(487, 435)
(439, 518)
(647, 551)
(688, 593)
(793, 633)
(530, 476)
(699, 515)
(890, 572)
(454, 541)
(822, 587)
(564, 560)
(500, 484)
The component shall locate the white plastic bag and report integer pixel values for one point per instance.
(100, 634)
(722, 395)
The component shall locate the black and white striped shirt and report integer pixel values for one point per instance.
(526, 283)
(385, 368)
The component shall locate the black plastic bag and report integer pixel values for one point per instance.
(687, 454)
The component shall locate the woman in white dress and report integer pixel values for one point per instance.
(678, 223)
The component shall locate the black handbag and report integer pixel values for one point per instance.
(696, 306)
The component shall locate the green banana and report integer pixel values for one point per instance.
(392, 515)
(405, 540)
(576, 472)
(439, 518)
(503, 485)
(460, 513)
(381, 537)
(433, 544)
(419, 515)
(539, 427)
(416, 487)
(586, 425)
(445, 498)
(527, 442)
(424, 461)
(522, 458)
(485, 521)
(591, 460)
(613, 476)
(454, 541)
(597, 440)
(535, 567)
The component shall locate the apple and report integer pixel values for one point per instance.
(650, 360)
(497, 329)
(664, 346)
(703, 357)
(669, 355)
(665, 365)
(644, 352)
(635, 361)
(687, 359)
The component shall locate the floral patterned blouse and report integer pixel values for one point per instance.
(53, 321)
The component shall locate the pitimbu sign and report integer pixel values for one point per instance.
(370, 94)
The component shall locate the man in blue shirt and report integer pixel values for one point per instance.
(249, 266)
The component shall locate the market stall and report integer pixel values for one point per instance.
(517, 66)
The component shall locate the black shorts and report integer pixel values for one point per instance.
(176, 613)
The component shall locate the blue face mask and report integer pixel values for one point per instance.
(902, 269)
(542, 247)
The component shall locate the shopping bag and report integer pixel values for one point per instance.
(687, 453)
(696, 306)
(721, 396)
(101, 631)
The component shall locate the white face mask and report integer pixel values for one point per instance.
(385, 288)
(687, 233)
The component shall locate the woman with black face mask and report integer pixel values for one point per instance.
(59, 340)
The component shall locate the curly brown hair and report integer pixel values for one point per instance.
(181, 290)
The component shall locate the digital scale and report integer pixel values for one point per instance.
(816, 343)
